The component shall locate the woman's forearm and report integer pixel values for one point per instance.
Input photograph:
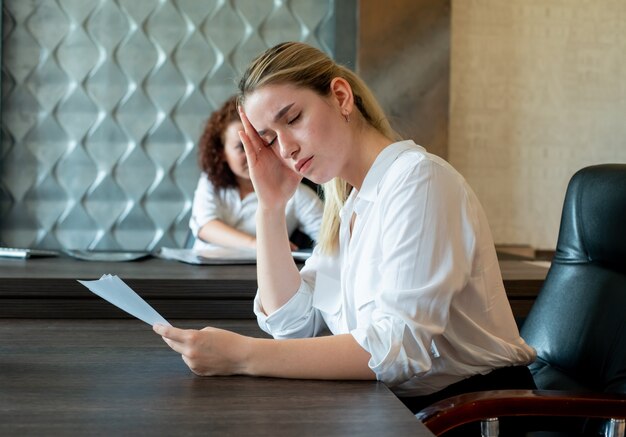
(277, 274)
(218, 232)
(330, 357)
(212, 351)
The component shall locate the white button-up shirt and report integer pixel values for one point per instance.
(417, 283)
(303, 211)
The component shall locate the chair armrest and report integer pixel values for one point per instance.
(471, 407)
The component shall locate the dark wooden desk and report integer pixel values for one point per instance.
(117, 378)
(522, 282)
(47, 288)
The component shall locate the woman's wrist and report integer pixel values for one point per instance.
(273, 217)
(251, 243)
(246, 356)
(277, 208)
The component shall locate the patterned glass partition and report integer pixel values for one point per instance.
(103, 101)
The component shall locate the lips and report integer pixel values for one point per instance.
(303, 162)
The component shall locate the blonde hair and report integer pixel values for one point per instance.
(304, 66)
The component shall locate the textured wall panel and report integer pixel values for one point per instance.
(537, 92)
(103, 101)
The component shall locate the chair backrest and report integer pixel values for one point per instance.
(578, 322)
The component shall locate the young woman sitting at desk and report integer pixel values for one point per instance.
(225, 204)
(405, 274)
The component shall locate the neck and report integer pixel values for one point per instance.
(245, 187)
(366, 148)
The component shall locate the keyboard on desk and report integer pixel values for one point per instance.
(23, 253)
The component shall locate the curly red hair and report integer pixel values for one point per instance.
(211, 145)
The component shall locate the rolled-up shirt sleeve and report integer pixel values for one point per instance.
(297, 318)
(426, 242)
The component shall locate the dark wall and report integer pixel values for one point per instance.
(404, 56)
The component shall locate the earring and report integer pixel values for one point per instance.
(346, 115)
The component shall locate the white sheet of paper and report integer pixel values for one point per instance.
(214, 255)
(218, 255)
(114, 290)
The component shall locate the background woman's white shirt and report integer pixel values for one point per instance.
(417, 284)
(303, 211)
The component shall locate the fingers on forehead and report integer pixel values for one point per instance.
(243, 116)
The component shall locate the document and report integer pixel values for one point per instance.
(219, 255)
(114, 290)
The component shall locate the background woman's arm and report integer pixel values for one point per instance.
(218, 232)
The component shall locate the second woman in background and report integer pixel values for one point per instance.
(225, 204)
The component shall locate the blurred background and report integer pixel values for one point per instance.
(103, 102)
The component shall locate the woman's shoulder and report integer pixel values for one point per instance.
(417, 163)
(224, 193)
(205, 182)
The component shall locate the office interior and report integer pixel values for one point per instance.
(103, 101)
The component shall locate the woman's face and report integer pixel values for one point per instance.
(307, 130)
(233, 151)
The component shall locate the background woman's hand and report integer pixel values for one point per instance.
(207, 352)
(274, 181)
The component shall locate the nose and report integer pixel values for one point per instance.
(289, 147)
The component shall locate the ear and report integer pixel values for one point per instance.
(341, 91)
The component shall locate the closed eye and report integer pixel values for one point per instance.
(293, 120)
(270, 143)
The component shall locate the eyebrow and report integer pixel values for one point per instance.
(277, 117)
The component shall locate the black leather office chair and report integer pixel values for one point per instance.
(578, 322)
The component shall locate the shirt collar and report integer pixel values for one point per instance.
(381, 164)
